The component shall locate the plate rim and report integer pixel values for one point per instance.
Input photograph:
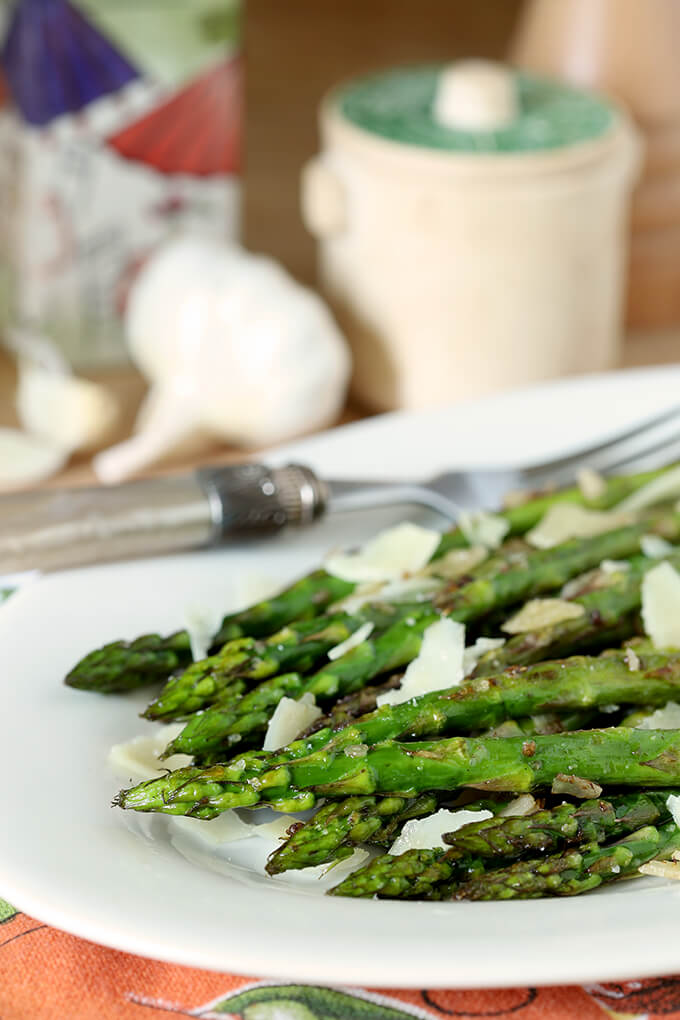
(381, 973)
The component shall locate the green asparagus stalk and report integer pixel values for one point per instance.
(338, 827)
(616, 755)
(605, 756)
(297, 646)
(577, 683)
(417, 873)
(410, 875)
(590, 821)
(126, 665)
(391, 649)
(572, 872)
(610, 616)
(547, 570)
(123, 665)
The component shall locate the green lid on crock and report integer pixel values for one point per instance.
(398, 105)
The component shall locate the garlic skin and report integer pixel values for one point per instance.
(233, 348)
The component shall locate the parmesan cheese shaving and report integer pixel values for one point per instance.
(542, 613)
(401, 550)
(614, 566)
(439, 664)
(278, 829)
(673, 805)
(483, 528)
(139, 758)
(661, 605)
(359, 635)
(661, 869)
(655, 546)
(458, 562)
(426, 833)
(417, 588)
(520, 807)
(226, 828)
(665, 487)
(568, 520)
(473, 654)
(632, 659)
(666, 718)
(290, 718)
(200, 624)
(591, 483)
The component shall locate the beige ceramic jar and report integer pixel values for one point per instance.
(472, 227)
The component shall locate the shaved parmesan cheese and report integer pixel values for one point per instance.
(458, 562)
(359, 635)
(575, 786)
(201, 624)
(401, 550)
(673, 805)
(473, 654)
(632, 659)
(655, 546)
(226, 828)
(661, 605)
(426, 833)
(666, 718)
(568, 520)
(417, 588)
(542, 613)
(661, 869)
(482, 528)
(340, 869)
(290, 718)
(439, 664)
(140, 758)
(614, 566)
(591, 484)
(520, 807)
(278, 829)
(665, 487)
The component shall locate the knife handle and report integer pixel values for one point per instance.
(53, 529)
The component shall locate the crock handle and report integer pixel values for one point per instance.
(322, 198)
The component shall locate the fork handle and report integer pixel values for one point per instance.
(53, 529)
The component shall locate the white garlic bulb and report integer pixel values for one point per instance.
(233, 347)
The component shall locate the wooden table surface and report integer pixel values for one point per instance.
(639, 350)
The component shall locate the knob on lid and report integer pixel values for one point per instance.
(476, 95)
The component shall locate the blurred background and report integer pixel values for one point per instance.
(489, 198)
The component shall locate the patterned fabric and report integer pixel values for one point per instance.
(56, 62)
(47, 974)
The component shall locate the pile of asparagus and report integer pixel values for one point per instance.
(551, 712)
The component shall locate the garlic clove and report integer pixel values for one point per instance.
(26, 460)
(72, 413)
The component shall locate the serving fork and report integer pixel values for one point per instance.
(52, 529)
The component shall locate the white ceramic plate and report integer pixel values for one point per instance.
(70, 859)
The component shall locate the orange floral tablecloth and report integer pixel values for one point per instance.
(47, 974)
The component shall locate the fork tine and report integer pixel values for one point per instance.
(652, 438)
